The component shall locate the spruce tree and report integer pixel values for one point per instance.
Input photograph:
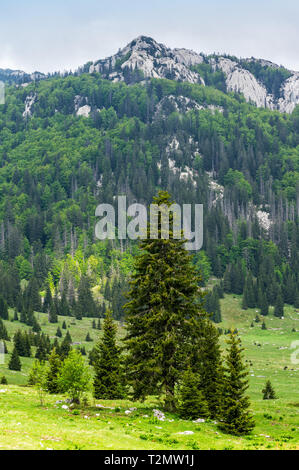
(164, 313)
(268, 392)
(58, 333)
(47, 300)
(65, 346)
(86, 306)
(15, 316)
(14, 362)
(108, 381)
(279, 305)
(52, 317)
(236, 418)
(192, 402)
(206, 360)
(3, 380)
(263, 304)
(3, 309)
(3, 331)
(88, 338)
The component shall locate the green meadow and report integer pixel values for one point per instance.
(25, 424)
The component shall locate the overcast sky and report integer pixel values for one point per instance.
(54, 35)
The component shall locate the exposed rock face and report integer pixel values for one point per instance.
(19, 77)
(29, 102)
(155, 60)
(290, 94)
(84, 111)
(145, 58)
(241, 80)
(152, 59)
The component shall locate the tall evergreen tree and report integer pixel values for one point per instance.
(3, 309)
(207, 361)
(164, 313)
(268, 392)
(47, 300)
(279, 305)
(108, 381)
(54, 367)
(14, 362)
(192, 402)
(86, 306)
(236, 418)
(3, 331)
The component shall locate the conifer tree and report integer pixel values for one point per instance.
(206, 360)
(65, 346)
(236, 418)
(86, 306)
(52, 317)
(54, 367)
(263, 304)
(47, 300)
(15, 315)
(3, 331)
(41, 351)
(3, 309)
(279, 305)
(3, 380)
(14, 362)
(268, 392)
(248, 294)
(64, 308)
(108, 381)
(58, 332)
(36, 328)
(88, 338)
(164, 313)
(192, 402)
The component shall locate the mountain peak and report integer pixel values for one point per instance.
(150, 59)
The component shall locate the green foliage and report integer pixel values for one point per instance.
(163, 315)
(38, 377)
(14, 362)
(272, 77)
(52, 374)
(108, 381)
(236, 419)
(192, 403)
(268, 392)
(74, 377)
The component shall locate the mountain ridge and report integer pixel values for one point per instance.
(262, 82)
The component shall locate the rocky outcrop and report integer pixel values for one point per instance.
(154, 60)
(29, 103)
(241, 80)
(290, 94)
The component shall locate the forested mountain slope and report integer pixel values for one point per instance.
(69, 143)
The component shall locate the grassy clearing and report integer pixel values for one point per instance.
(25, 424)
